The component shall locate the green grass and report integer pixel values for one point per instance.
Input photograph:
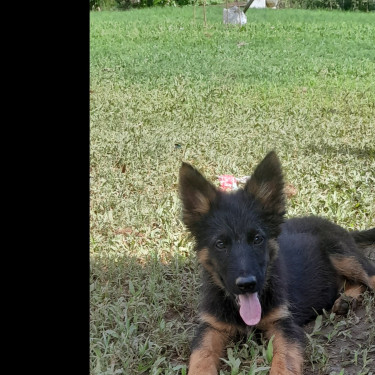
(300, 82)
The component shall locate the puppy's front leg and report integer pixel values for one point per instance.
(208, 346)
(287, 348)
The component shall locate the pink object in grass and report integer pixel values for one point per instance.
(227, 182)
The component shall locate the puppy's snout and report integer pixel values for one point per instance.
(247, 284)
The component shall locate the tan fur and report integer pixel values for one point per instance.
(202, 206)
(207, 263)
(225, 328)
(202, 203)
(350, 268)
(273, 316)
(287, 357)
(274, 248)
(354, 290)
(205, 360)
(264, 193)
(352, 293)
(372, 282)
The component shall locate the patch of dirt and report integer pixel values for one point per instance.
(343, 343)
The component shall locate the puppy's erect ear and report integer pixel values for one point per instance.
(197, 195)
(267, 185)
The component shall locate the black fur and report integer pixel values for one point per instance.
(244, 234)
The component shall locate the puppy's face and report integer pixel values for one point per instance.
(235, 232)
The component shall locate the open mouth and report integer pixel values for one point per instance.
(250, 308)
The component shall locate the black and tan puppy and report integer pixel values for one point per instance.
(262, 271)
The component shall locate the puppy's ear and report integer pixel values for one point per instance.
(266, 185)
(197, 195)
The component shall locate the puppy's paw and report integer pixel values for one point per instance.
(344, 303)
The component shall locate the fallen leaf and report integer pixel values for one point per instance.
(290, 190)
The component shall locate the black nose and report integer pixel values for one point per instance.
(247, 284)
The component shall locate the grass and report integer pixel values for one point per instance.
(165, 89)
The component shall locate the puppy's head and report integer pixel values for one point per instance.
(236, 232)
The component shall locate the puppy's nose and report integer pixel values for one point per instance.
(247, 284)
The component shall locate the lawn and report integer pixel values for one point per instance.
(166, 89)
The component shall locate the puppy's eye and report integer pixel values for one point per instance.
(219, 244)
(258, 239)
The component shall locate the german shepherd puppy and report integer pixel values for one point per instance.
(262, 271)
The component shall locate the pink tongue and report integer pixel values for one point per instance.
(250, 309)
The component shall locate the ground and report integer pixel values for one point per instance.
(346, 342)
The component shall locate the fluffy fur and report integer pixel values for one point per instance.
(260, 268)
